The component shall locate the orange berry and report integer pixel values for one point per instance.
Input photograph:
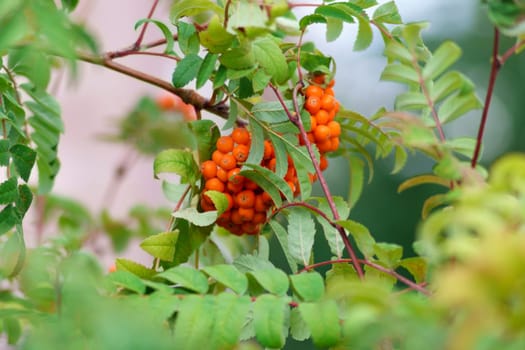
(323, 163)
(245, 199)
(319, 78)
(225, 144)
(209, 169)
(325, 146)
(222, 174)
(313, 122)
(331, 83)
(236, 217)
(335, 128)
(217, 156)
(205, 205)
(250, 185)
(214, 184)
(312, 104)
(313, 90)
(259, 218)
(230, 201)
(234, 177)
(272, 164)
(234, 188)
(328, 102)
(335, 143)
(259, 204)
(291, 185)
(228, 162)
(321, 133)
(246, 214)
(267, 198)
(311, 137)
(290, 173)
(268, 149)
(329, 91)
(331, 115)
(240, 152)
(235, 229)
(322, 117)
(241, 136)
(250, 228)
(224, 218)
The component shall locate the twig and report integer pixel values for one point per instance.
(378, 267)
(137, 43)
(296, 120)
(495, 67)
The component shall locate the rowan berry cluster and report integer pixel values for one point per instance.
(248, 204)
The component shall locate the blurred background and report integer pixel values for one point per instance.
(93, 104)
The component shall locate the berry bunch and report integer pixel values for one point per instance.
(322, 106)
(248, 204)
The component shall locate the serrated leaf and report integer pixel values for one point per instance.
(322, 319)
(206, 69)
(228, 276)
(4, 152)
(308, 286)
(168, 35)
(183, 8)
(268, 314)
(186, 70)
(173, 192)
(206, 133)
(331, 233)
(422, 179)
(199, 219)
(215, 38)
(334, 28)
(417, 266)
(270, 57)
(387, 13)
(311, 19)
(265, 179)
(177, 161)
(8, 191)
(246, 15)
(238, 58)
(364, 35)
(301, 234)
(388, 253)
(456, 106)
(298, 328)
(335, 10)
(194, 323)
(273, 280)
(400, 73)
(271, 112)
(24, 199)
(247, 263)
(135, 268)
(395, 51)
(162, 245)
(364, 240)
(230, 316)
(187, 38)
(186, 277)
(462, 145)
(12, 255)
(448, 168)
(32, 63)
(411, 101)
(401, 157)
(282, 237)
(128, 280)
(445, 56)
(23, 160)
(357, 180)
(219, 199)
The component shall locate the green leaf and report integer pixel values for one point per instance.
(335, 10)
(32, 63)
(311, 19)
(301, 234)
(228, 276)
(8, 191)
(206, 69)
(417, 266)
(186, 277)
(161, 245)
(23, 159)
(400, 73)
(322, 319)
(432, 203)
(168, 35)
(135, 268)
(364, 240)
(246, 15)
(4, 153)
(195, 321)
(334, 28)
(389, 254)
(422, 179)
(269, 316)
(173, 192)
(230, 316)
(273, 280)
(247, 263)
(448, 168)
(445, 56)
(199, 219)
(219, 199)
(462, 145)
(269, 182)
(411, 101)
(187, 38)
(190, 239)
(186, 70)
(270, 57)
(298, 328)
(357, 180)
(456, 106)
(387, 13)
(364, 35)
(14, 29)
(69, 5)
(282, 237)
(183, 8)
(238, 58)
(24, 199)
(308, 286)
(271, 112)
(177, 161)
(128, 280)
(12, 255)
(400, 161)
(215, 38)
(207, 133)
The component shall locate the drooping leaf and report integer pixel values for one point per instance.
(311, 19)
(230, 316)
(128, 280)
(301, 234)
(269, 315)
(445, 55)
(206, 133)
(194, 323)
(23, 159)
(162, 245)
(364, 35)
(168, 35)
(12, 255)
(24, 199)
(199, 219)
(135, 268)
(282, 237)
(186, 277)
(247, 263)
(364, 240)
(186, 70)
(308, 286)
(417, 266)
(336, 10)
(388, 253)
(215, 38)
(422, 179)
(322, 319)
(206, 69)
(228, 276)
(298, 328)
(180, 162)
(273, 280)
(8, 191)
(270, 57)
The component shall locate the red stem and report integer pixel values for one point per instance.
(137, 43)
(496, 65)
(378, 267)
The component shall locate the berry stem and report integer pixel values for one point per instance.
(296, 120)
(411, 284)
(495, 67)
